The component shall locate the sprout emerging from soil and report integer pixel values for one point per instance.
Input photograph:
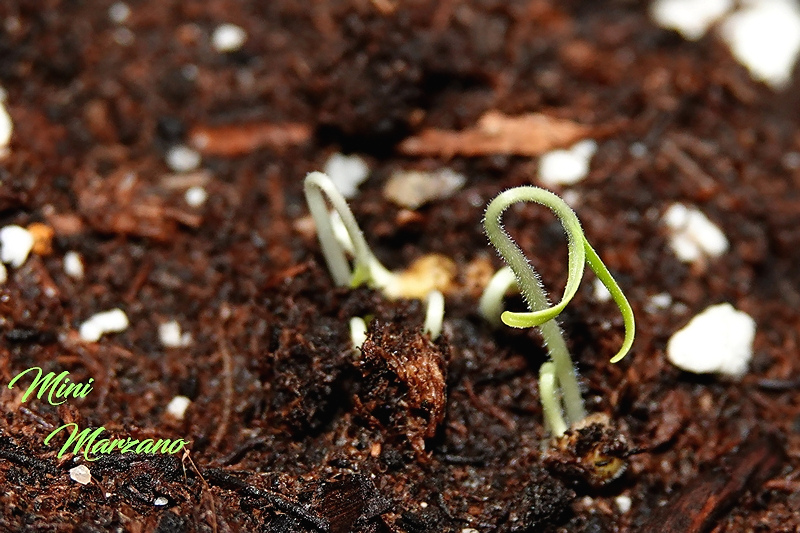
(434, 314)
(339, 236)
(491, 304)
(366, 267)
(358, 332)
(558, 375)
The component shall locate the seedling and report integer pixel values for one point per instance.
(366, 267)
(358, 332)
(491, 303)
(434, 314)
(340, 236)
(558, 375)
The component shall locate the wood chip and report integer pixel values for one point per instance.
(348, 501)
(495, 133)
(181, 182)
(477, 275)
(240, 139)
(711, 495)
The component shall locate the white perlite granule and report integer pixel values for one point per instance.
(658, 302)
(15, 244)
(170, 335)
(693, 235)
(80, 474)
(112, 321)
(73, 265)
(347, 172)
(119, 12)
(566, 167)
(600, 291)
(572, 198)
(718, 340)
(690, 18)
(228, 38)
(623, 503)
(177, 407)
(181, 158)
(413, 188)
(196, 196)
(764, 36)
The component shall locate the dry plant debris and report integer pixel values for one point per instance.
(405, 382)
(241, 139)
(531, 134)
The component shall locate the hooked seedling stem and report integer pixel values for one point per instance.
(561, 375)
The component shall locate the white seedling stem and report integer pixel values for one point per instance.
(434, 314)
(548, 396)
(366, 267)
(491, 303)
(358, 332)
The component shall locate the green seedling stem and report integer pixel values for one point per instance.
(542, 314)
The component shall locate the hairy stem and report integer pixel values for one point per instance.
(542, 314)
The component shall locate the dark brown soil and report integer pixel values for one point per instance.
(289, 431)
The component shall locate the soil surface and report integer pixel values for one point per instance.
(289, 430)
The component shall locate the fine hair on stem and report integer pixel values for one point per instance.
(561, 375)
